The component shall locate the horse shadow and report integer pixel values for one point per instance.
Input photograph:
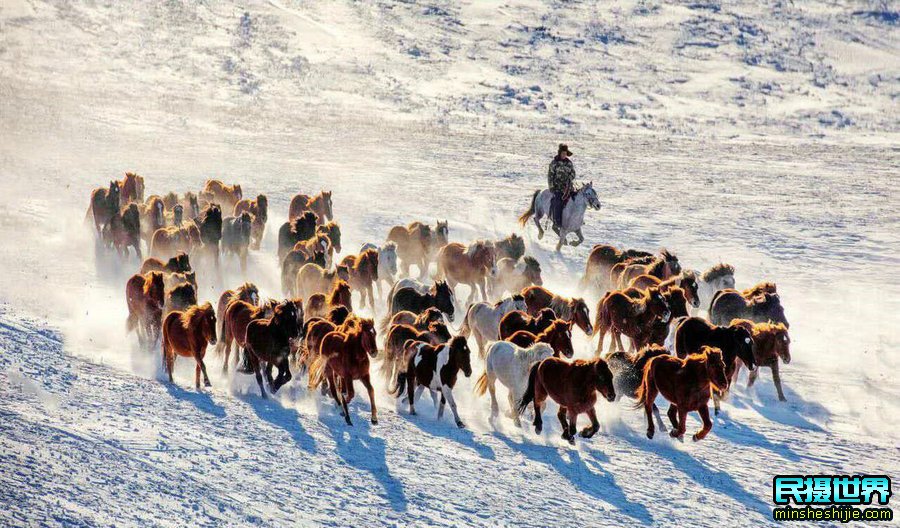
(737, 433)
(285, 418)
(445, 428)
(600, 484)
(201, 400)
(359, 449)
(795, 412)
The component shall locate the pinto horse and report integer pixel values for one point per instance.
(470, 265)
(344, 357)
(558, 335)
(269, 344)
(619, 313)
(396, 339)
(519, 320)
(362, 274)
(571, 310)
(186, 334)
(770, 342)
(687, 384)
(319, 204)
(574, 386)
(259, 210)
(435, 367)
(145, 295)
(104, 204)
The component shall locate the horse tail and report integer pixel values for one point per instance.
(527, 214)
(399, 385)
(528, 396)
(131, 322)
(481, 384)
(601, 320)
(465, 329)
(317, 371)
(647, 382)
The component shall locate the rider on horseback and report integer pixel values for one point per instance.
(560, 179)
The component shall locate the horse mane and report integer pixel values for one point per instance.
(339, 292)
(369, 256)
(760, 289)
(194, 312)
(531, 263)
(554, 327)
(473, 248)
(155, 281)
(716, 272)
(656, 267)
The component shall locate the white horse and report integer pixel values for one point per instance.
(387, 263)
(572, 215)
(718, 277)
(511, 365)
(483, 319)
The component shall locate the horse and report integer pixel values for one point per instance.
(510, 364)
(333, 231)
(344, 357)
(104, 204)
(179, 277)
(247, 292)
(145, 296)
(417, 243)
(470, 265)
(363, 272)
(717, 277)
(397, 337)
(482, 320)
(319, 204)
(658, 332)
(574, 386)
(312, 279)
(770, 342)
(180, 298)
(440, 296)
(316, 328)
(558, 335)
(662, 267)
(340, 295)
(514, 276)
(153, 217)
(408, 282)
(169, 241)
(511, 247)
(132, 188)
(269, 344)
(190, 204)
(735, 342)
(293, 261)
(628, 373)
(259, 211)
(124, 230)
(619, 313)
(572, 215)
(296, 230)
(520, 320)
(210, 225)
(226, 196)
(236, 234)
(179, 263)
(599, 263)
(420, 321)
(687, 384)
(387, 263)
(686, 280)
(187, 333)
(435, 367)
(236, 315)
(570, 310)
(730, 304)
(316, 243)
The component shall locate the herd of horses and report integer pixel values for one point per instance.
(689, 333)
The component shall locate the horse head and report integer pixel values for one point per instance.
(443, 298)
(208, 322)
(237, 192)
(603, 378)
(781, 342)
(742, 342)
(671, 262)
(658, 305)
(387, 257)
(559, 336)
(333, 232)
(532, 270)
(442, 233)
(770, 307)
(459, 350)
(581, 316)
(691, 287)
(590, 195)
(715, 368)
(114, 195)
(367, 337)
(328, 205)
(262, 207)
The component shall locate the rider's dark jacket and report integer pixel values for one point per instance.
(561, 175)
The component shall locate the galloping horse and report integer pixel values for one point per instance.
(572, 215)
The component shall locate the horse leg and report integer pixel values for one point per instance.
(537, 222)
(707, 424)
(601, 330)
(269, 380)
(580, 237)
(412, 391)
(682, 424)
(539, 397)
(367, 383)
(649, 400)
(751, 378)
(448, 395)
(333, 389)
(776, 377)
(482, 284)
(672, 413)
(495, 408)
(438, 404)
(259, 381)
(348, 394)
(618, 337)
(573, 418)
(206, 382)
(168, 361)
(716, 399)
(588, 432)
(197, 375)
(562, 240)
(659, 420)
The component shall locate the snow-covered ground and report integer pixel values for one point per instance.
(760, 134)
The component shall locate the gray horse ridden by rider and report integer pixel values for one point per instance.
(560, 180)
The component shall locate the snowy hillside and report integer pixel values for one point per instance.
(760, 134)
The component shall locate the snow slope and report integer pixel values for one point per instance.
(720, 142)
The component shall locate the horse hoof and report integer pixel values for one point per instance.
(782, 398)
(650, 435)
(696, 437)
(587, 433)
(412, 413)
(716, 411)
(460, 425)
(374, 421)
(537, 429)
(207, 384)
(674, 434)
(571, 440)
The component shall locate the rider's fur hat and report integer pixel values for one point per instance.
(564, 148)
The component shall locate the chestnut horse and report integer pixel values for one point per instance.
(178, 264)
(574, 386)
(619, 314)
(132, 188)
(124, 230)
(104, 204)
(169, 241)
(315, 329)
(153, 217)
(363, 273)
(470, 265)
(186, 334)
(730, 304)
(686, 280)
(291, 264)
(419, 321)
(417, 243)
(687, 384)
(320, 204)
(599, 263)
(259, 210)
(518, 320)
(247, 292)
(770, 342)
(661, 267)
(226, 196)
(312, 278)
(340, 295)
(558, 335)
(269, 344)
(344, 357)
(571, 310)
(297, 230)
(236, 315)
(145, 295)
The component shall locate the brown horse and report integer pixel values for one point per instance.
(363, 273)
(297, 230)
(686, 280)
(333, 231)
(419, 321)
(511, 247)
(174, 279)
(770, 342)
(145, 295)
(180, 298)
(657, 332)
(518, 320)
(190, 204)
(312, 279)
(417, 243)
(153, 217)
(216, 192)
(470, 265)
(320, 204)
(169, 241)
(662, 267)
(601, 261)
(269, 344)
(628, 373)
(574, 386)
(340, 295)
(730, 304)
(132, 188)
(291, 264)
(344, 357)
(316, 306)
(186, 334)
(687, 384)
(395, 342)
(247, 292)
(314, 244)
(435, 367)
(104, 204)
(619, 313)
(558, 335)
(236, 315)
(180, 263)
(515, 276)
(124, 230)
(259, 210)
(572, 310)
(316, 328)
